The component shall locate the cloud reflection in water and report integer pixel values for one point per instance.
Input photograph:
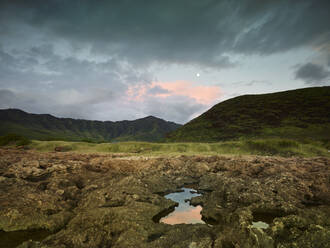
(184, 213)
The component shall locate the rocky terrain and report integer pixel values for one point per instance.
(97, 200)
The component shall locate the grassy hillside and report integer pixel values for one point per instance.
(280, 147)
(302, 114)
(48, 127)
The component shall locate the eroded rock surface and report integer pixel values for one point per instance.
(95, 200)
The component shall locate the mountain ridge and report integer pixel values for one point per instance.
(297, 114)
(49, 127)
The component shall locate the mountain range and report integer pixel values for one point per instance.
(48, 127)
(296, 114)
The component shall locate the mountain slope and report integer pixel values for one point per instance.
(299, 114)
(48, 127)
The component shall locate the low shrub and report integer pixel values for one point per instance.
(14, 139)
(89, 140)
(326, 143)
(287, 143)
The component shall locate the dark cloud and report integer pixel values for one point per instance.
(157, 90)
(40, 66)
(66, 103)
(79, 58)
(282, 25)
(187, 31)
(313, 74)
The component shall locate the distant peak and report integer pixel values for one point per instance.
(150, 117)
(14, 110)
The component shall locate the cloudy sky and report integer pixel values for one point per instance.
(174, 59)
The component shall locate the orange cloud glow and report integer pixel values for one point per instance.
(200, 93)
(136, 92)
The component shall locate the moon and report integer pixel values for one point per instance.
(198, 74)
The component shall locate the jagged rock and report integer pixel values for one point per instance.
(95, 200)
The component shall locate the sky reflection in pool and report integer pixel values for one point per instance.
(184, 213)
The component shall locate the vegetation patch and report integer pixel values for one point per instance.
(276, 146)
(14, 139)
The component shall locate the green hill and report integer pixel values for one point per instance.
(296, 114)
(48, 127)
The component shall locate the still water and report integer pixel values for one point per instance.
(184, 213)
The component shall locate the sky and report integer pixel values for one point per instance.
(174, 59)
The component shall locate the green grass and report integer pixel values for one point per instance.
(269, 147)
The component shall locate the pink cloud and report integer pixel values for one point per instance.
(200, 93)
(137, 92)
